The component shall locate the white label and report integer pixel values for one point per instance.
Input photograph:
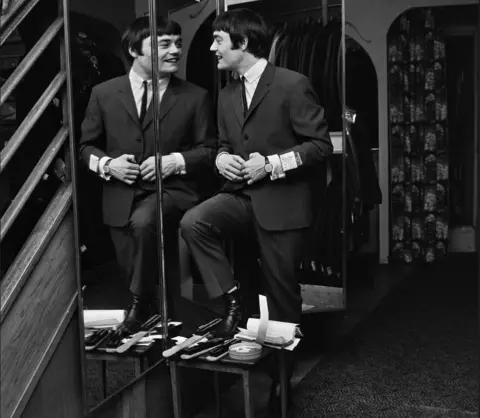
(93, 164)
(289, 162)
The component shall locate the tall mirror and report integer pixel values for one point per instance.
(146, 143)
(296, 30)
(109, 131)
(115, 180)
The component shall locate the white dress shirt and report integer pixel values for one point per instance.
(136, 82)
(252, 77)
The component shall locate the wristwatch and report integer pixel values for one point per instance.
(268, 166)
(106, 167)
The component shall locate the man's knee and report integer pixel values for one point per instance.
(193, 224)
(187, 223)
(143, 222)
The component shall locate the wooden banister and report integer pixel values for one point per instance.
(29, 60)
(33, 179)
(30, 120)
(47, 355)
(11, 20)
(18, 273)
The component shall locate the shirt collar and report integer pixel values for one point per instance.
(137, 81)
(256, 70)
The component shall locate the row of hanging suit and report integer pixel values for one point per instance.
(314, 49)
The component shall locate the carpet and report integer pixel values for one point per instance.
(415, 356)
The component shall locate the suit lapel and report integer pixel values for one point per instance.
(237, 102)
(168, 100)
(262, 89)
(126, 96)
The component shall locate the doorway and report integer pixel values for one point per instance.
(463, 137)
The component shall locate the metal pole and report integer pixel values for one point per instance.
(72, 175)
(152, 7)
(345, 213)
(221, 6)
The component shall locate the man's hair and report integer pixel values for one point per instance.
(139, 30)
(244, 23)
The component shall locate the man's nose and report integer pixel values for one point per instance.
(213, 47)
(174, 49)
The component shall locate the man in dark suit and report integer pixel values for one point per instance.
(117, 143)
(273, 144)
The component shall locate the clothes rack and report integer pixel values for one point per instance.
(318, 8)
(347, 23)
(308, 9)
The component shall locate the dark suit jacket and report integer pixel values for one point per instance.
(111, 128)
(283, 116)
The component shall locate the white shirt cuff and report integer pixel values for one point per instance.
(179, 163)
(216, 159)
(102, 162)
(277, 172)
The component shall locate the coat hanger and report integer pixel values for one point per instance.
(347, 23)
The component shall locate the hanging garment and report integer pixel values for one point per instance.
(315, 50)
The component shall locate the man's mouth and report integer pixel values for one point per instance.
(172, 60)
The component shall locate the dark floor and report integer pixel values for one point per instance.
(413, 356)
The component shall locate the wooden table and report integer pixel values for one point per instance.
(228, 365)
(141, 359)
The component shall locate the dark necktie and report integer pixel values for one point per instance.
(143, 108)
(244, 97)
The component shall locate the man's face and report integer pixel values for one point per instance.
(228, 58)
(169, 54)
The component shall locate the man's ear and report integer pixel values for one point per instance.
(132, 53)
(244, 44)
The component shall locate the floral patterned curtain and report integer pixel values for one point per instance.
(418, 137)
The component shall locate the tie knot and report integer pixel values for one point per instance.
(145, 82)
(242, 79)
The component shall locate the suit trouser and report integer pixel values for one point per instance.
(136, 245)
(207, 228)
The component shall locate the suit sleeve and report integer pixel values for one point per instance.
(92, 141)
(203, 151)
(307, 119)
(224, 144)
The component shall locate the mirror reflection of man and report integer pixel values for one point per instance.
(117, 143)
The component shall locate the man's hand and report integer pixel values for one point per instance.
(125, 168)
(254, 168)
(147, 168)
(231, 166)
(169, 166)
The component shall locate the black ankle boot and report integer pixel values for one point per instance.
(229, 323)
(140, 311)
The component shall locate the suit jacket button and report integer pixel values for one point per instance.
(246, 137)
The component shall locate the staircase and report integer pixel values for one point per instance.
(41, 320)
